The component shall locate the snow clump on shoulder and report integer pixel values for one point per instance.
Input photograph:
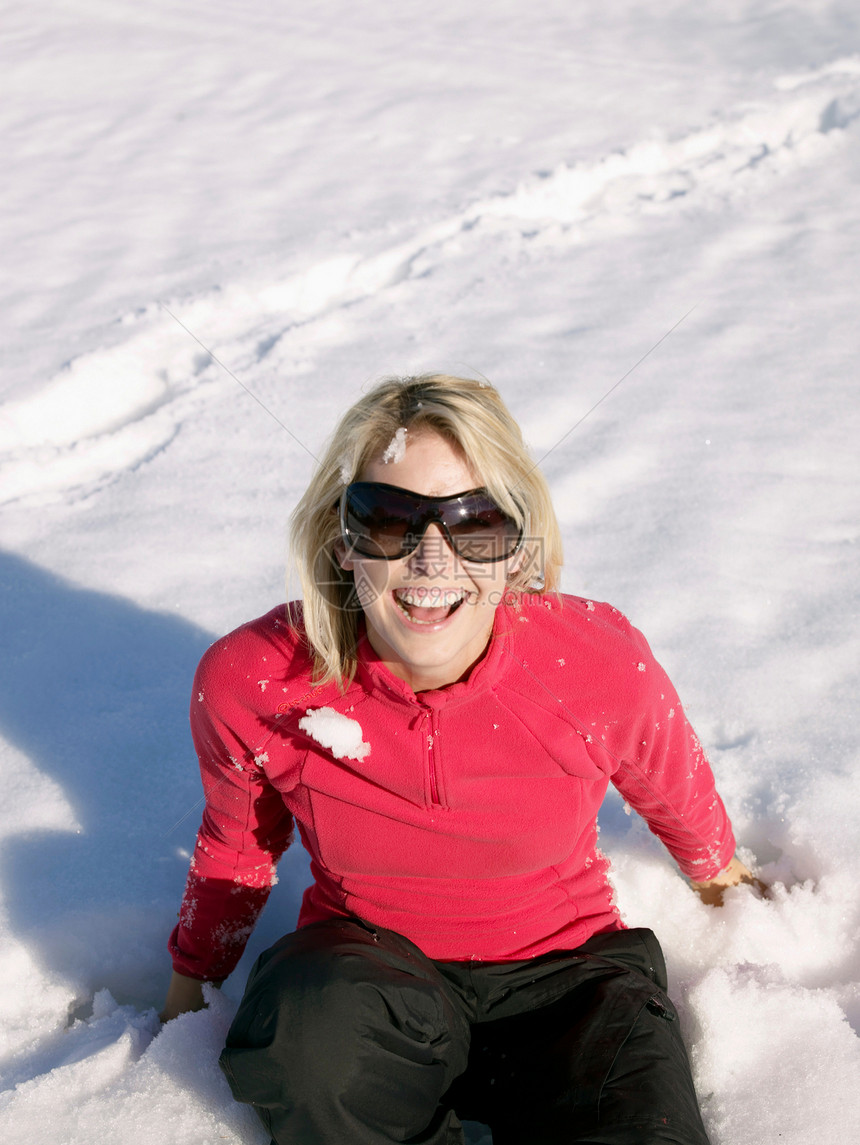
(396, 447)
(338, 733)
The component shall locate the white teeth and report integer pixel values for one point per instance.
(429, 598)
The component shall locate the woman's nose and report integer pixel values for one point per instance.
(432, 556)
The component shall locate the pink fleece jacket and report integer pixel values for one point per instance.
(463, 818)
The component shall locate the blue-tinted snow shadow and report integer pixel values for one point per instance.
(94, 692)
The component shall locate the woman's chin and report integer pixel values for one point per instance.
(435, 652)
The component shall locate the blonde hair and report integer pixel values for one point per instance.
(472, 416)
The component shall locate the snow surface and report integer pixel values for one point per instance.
(220, 222)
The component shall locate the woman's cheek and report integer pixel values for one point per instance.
(371, 580)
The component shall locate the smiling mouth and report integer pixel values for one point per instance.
(428, 605)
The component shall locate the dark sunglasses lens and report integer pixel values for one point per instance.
(379, 523)
(386, 524)
(484, 533)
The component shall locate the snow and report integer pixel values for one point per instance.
(396, 448)
(219, 224)
(335, 731)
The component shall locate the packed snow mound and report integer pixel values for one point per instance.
(743, 152)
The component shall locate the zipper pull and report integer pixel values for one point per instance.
(657, 1006)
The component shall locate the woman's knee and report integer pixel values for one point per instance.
(333, 1001)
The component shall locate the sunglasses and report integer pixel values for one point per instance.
(385, 523)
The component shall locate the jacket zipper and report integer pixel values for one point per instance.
(431, 760)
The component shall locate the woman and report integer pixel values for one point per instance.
(442, 726)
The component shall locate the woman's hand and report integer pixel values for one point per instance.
(183, 994)
(711, 891)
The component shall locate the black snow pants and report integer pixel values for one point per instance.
(349, 1035)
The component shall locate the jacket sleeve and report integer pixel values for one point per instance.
(662, 771)
(245, 827)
